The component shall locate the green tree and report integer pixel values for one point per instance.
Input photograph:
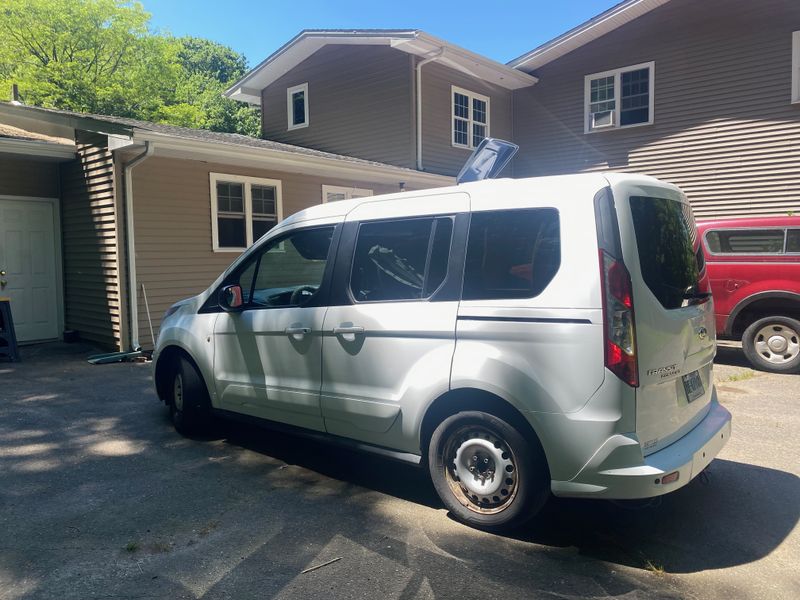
(207, 69)
(99, 56)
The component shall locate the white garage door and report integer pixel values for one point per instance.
(28, 261)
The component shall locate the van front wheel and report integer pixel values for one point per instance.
(485, 471)
(190, 407)
(773, 344)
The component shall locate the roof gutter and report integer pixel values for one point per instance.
(418, 70)
(133, 305)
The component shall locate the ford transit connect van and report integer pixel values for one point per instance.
(515, 337)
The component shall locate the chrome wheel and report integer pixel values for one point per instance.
(776, 343)
(480, 470)
(177, 392)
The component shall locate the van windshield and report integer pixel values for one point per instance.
(666, 236)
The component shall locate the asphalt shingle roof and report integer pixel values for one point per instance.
(233, 139)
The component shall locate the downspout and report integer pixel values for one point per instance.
(133, 305)
(418, 70)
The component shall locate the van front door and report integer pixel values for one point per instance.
(389, 340)
(267, 358)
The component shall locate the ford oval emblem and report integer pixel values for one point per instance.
(702, 333)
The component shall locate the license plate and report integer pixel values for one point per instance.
(693, 386)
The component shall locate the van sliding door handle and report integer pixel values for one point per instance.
(345, 330)
(297, 330)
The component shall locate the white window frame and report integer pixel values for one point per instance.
(303, 87)
(617, 74)
(471, 95)
(246, 182)
(796, 67)
(349, 192)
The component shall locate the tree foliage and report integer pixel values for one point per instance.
(99, 56)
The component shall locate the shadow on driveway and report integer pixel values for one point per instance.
(100, 497)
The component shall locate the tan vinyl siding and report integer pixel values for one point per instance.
(438, 153)
(172, 220)
(27, 177)
(89, 238)
(360, 104)
(724, 129)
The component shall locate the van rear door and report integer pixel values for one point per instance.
(674, 317)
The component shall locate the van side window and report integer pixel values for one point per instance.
(745, 241)
(793, 240)
(401, 259)
(287, 271)
(511, 253)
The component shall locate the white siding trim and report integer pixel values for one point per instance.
(248, 205)
(303, 87)
(796, 67)
(471, 95)
(348, 192)
(616, 73)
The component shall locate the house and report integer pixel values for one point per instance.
(105, 222)
(702, 94)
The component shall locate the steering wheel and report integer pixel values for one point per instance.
(296, 296)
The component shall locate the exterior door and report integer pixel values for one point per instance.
(389, 343)
(28, 267)
(267, 358)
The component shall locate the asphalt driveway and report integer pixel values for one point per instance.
(100, 498)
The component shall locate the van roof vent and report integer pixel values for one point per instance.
(487, 161)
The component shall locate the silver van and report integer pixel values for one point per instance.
(514, 337)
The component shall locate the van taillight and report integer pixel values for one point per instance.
(620, 330)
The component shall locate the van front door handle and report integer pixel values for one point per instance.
(346, 330)
(297, 330)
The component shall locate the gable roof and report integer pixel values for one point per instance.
(413, 41)
(604, 23)
(209, 143)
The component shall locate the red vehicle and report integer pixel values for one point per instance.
(753, 267)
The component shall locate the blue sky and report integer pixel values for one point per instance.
(499, 29)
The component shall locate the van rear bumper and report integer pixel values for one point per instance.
(610, 477)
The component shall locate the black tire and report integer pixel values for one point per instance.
(510, 501)
(782, 355)
(190, 406)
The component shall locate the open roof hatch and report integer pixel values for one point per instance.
(487, 161)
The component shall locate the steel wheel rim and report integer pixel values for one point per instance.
(177, 392)
(481, 470)
(777, 343)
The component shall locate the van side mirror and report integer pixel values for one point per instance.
(230, 298)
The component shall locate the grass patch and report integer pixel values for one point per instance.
(159, 547)
(208, 528)
(741, 376)
(654, 568)
(131, 547)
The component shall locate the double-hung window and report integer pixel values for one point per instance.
(470, 117)
(331, 193)
(619, 98)
(796, 67)
(297, 106)
(242, 210)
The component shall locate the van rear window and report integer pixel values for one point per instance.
(511, 253)
(665, 237)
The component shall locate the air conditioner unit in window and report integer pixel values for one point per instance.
(603, 119)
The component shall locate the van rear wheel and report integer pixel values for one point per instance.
(486, 472)
(773, 344)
